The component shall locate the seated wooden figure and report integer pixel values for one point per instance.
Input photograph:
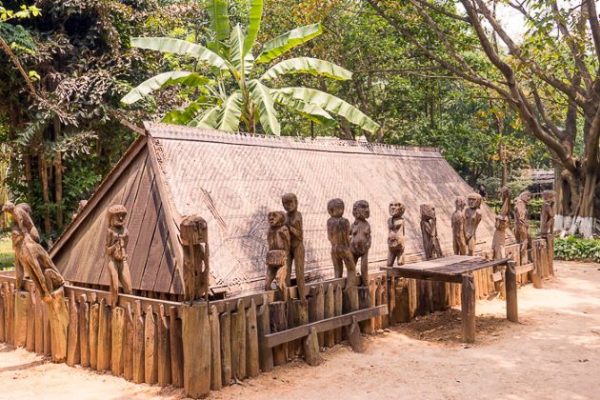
(431, 243)
(459, 242)
(338, 232)
(472, 220)
(194, 239)
(360, 240)
(279, 242)
(396, 234)
(117, 238)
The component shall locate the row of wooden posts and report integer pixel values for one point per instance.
(146, 340)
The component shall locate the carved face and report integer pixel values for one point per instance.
(17, 236)
(474, 200)
(427, 212)
(548, 196)
(8, 207)
(459, 203)
(290, 202)
(360, 210)
(118, 220)
(525, 196)
(397, 209)
(276, 219)
(504, 192)
(335, 208)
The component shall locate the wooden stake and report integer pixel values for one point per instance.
(226, 370)
(196, 350)
(329, 312)
(58, 317)
(468, 308)
(238, 342)
(117, 340)
(252, 358)
(512, 311)
(84, 329)
(216, 377)
(176, 344)
(30, 343)
(278, 320)
(2, 319)
(264, 328)
(351, 302)
(354, 337)
(22, 302)
(150, 348)
(311, 348)
(365, 294)
(93, 332)
(138, 345)
(164, 348)
(338, 308)
(73, 346)
(128, 344)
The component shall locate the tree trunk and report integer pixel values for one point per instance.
(45, 194)
(58, 187)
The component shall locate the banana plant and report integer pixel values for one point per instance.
(241, 87)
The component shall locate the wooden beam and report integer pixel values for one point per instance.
(277, 338)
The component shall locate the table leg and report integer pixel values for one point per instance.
(512, 312)
(467, 300)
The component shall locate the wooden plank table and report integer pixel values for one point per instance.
(459, 269)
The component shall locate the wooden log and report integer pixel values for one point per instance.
(278, 320)
(378, 301)
(385, 319)
(365, 295)
(151, 347)
(58, 318)
(537, 273)
(196, 350)
(128, 343)
(391, 299)
(139, 358)
(351, 302)
(318, 313)
(300, 317)
(329, 312)
(354, 338)
(22, 302)
(2, 319)
(73, 346)
(216, 377)
(252, 357)
(84, 329)
(164, 348)
(338, 295)
(226, 369)
(117, 340)
(264, 328)
(512, 311)
(10, 315)
(238, 342)
(93, 334)
(295, 346)
(104, 337)
(30, 342)
(311, 348)
(403, 301)
(175, 341)
(468, 308)
(412, 297)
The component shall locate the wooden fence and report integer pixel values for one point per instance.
(147, 340)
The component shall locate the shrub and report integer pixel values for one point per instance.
(574, 248)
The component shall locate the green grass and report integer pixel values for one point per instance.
(7, 256)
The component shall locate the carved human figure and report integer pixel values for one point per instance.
(117, 237)
(459, 241)
(194, 239)
(499, 237)
(505, 196)
(431, 243)
(22, 218)
(293, 221)
(360, 239)
(547, 214)
(472, 220)
(522, 224)
(338, 232)
(396, 234)
(279, 245)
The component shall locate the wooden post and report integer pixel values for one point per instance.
(150, 348)
(227, 373)
(93, 332)
(311, 348)
(329, 313)
(468, 308)
(338, 308)
(216, 382)
(196, 350)
(316, 310)
(365, 295)
(30, 342)
(164, 348)
(238, 342)
(538, 264)
(264, 328)
(252, 358)
(278, 319)
(2, 319)
(354, 337)
(104, 337)
(378, 300)
(138, 344)
(84, 329)
(117, 340)
(22, 301)
(73, 347)
(175, 341)
(128, 344)
(512, 312)
(351, 302)
(58, 317)
(391, 298)
(9, 314)
(385, 319)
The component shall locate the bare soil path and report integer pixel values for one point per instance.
(554, 353)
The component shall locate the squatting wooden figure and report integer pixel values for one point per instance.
(431, 243)
(293, 221)
(396, 234)
(472, 220)
(117, 238)
(360, 240)
(522, 224)
(194, 239)
(279, 242)
(459, 242)
(338, 232)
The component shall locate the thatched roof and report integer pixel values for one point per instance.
(233, 181)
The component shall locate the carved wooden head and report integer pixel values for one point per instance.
(525, 196)
(335, 208)
(117, 215)
(459, 202)
(549, 196)
(427, 211)
(289, 202)
(360, 210)
(397, 209)
(193, 230)
(474, 200)
(276, 219)
(504, 192)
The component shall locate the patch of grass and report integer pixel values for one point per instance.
(7, 257)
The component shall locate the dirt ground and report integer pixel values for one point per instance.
(553, 353)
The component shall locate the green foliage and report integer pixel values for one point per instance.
(7, 256)
(574, 248)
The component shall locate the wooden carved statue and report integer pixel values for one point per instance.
(499, 237)
(293, 221)
(522, 224)
(338, 232)
(459, 241)
(194, 239)
(547, 215)
(472, 220)
(431, 243)
(396, 234)
(505, 196)
(117, 238)
(360, 240)
(279, 242)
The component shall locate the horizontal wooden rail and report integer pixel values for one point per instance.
(277, 338)
(521, 269)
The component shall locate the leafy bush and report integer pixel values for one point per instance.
(573, 248)
(6, 253)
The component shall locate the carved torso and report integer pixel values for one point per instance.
(361, 237)
(396, 233)
(338, 232)
(472, 220)
(294, 223)
(116, 243)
